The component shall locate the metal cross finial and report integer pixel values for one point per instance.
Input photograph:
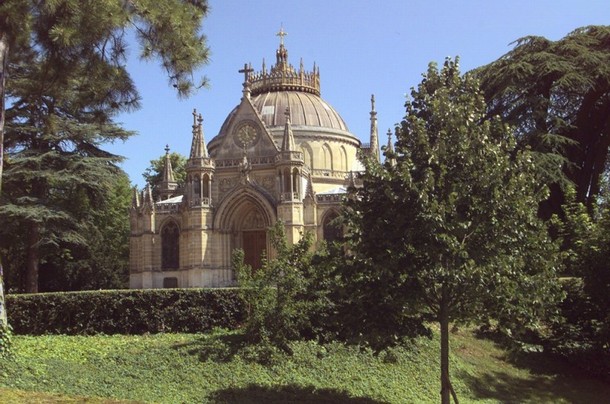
(246, 71)
(372, 102)
(282, 34)
(166, 149)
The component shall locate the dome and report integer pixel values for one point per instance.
(281, 91)
(305, 110)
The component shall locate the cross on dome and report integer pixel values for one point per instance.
(281, 34)
(246, 71)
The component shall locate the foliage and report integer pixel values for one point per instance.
(168, 368)
(68, 81)
(557, 94)
(583, 335)
(451, 229)
(96, 30)
(280, 297)
(5, 341)
(362, 310)
(125, 311)
(154, 173)
(100, 262)
(72, 55)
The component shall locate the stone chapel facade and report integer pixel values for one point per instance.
(282, 154)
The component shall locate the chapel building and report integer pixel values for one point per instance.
(283, 153)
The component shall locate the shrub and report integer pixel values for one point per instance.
(5, 341)
(583, 333)
(280, 297)
(125, 311)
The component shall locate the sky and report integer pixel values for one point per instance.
(361, 47)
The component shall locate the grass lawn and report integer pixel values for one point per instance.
(175, 368)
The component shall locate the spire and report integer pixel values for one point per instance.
(198, 148)
(352, 179)
(288, 141)
(135, 198)
(390, 149)
(168, 173)
(169, 185)
(147, 197)
(310, 191)
(282, 54)
(374, 135)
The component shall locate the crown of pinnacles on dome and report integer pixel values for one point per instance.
(283, 76)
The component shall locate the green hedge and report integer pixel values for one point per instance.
(124, 311)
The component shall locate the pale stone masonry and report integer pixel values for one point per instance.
(282, 154)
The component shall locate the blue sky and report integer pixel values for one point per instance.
(361, 47)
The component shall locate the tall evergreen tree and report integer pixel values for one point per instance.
(448, 225)
(79, 50)
(557, 96)
(96, 257)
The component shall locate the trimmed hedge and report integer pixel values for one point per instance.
(124, 311)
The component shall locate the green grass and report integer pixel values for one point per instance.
(174, 368)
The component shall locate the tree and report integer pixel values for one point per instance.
(557, 96)
(448, 225)
(74, 35)
(56, 167)
(100, 261)
(583, 335)
(282, 298)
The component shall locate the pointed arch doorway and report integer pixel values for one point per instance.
(243, 219)
(253, 236)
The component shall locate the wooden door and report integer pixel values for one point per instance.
(254, 244)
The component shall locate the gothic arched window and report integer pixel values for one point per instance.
(206, 186)
(331, 229)
(197, 187)
(295, 180)
(287, 187)
(170, 246)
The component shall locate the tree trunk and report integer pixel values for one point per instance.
(4, 48)
(33, 259)
(445, 384)
(446, 388)
(3, 319)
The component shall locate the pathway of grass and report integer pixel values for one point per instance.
(198, 368)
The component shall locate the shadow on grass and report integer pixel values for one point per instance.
(285, 394)
(217, 347)
(550, 379)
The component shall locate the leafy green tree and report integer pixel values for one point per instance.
(451, 229)
(584, 334)
(281, 297)
(80, 45)
(557, 96)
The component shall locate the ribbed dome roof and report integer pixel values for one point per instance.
(272, 92)
(305, 109)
